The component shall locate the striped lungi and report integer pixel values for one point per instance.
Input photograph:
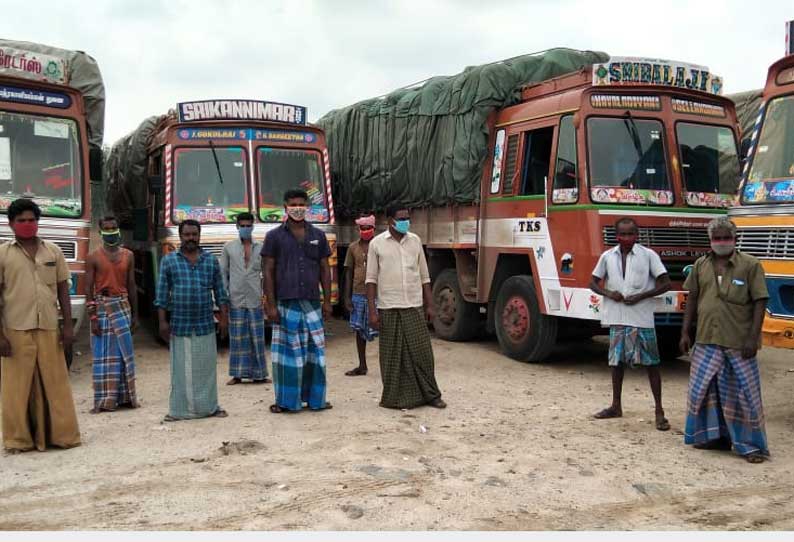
(194, 377)
(725, 400)
(298, 353)
(359, 318)
(247, 343)
(407, 366)
(633, 346)
(113, 353)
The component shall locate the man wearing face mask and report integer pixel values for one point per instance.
(38, 409)
(242, 273)
(629, 276)
(356, 291)
(727, 295)
(398, 278)
(295, 262)
(112, 305)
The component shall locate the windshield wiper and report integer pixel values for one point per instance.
(217, 164)
(631, 127)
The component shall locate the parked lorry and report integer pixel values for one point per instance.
(517, 171)
(765, 214)
(210, 161)
(52, 110)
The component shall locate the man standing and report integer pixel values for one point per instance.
(356, 291)
(295, 260)
(397, 276)
(112, 304)
(38, 409)
(633, 276)
(188, 278)
(727, 292)
(242, 275)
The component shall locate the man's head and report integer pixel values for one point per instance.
(366, 227)
(245, 225)
(295, 202)
(23, 218)
(722, 233)
(190, 234)
(399, 218)
(627, 231)
(109, 230)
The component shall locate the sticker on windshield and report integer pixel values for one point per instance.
(5, 159)
(762, 149)
(709, 199)
(654, 134)
(46, 128)
(650, 171)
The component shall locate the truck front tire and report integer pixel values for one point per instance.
(456, 319)
(524, 333)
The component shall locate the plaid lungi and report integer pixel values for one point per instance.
(247, 344)
(113, 353)
(406, 359)
(194, 377)
(725, 400)
(633, 346)
(359, 318)
(298, 353)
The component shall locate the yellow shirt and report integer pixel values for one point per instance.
(30, 287)
(399, 268)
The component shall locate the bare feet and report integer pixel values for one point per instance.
(611, 412)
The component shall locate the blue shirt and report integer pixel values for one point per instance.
(297, 264)
(186, 289)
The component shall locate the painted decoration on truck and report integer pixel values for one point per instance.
(240, 110)
(189, 134)
(781, 191)
(637, 196)
(709, 199)
(30, 65)
(35, 97)
(565, 195)
(625, 101)
(60, 208)
(698, 108)
(272, 213)
(498, 156)
(620, 71)
(207, 215)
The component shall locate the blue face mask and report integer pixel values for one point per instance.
(402, 226)
(246, 232)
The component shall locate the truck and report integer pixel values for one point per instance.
(52, 112)
(764, 215)
(516, 172)
(209, 161)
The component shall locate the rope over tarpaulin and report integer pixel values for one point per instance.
(426, 145)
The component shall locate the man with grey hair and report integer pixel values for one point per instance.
(727, 295)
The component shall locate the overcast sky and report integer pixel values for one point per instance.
(330, 54)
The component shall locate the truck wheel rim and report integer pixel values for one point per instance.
(515, 318)
(446, 306)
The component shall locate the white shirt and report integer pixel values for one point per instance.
(399, 268)
(643, 267)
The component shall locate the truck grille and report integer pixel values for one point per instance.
(766, 243)
(664, 237)
(69, 248)
(213, 248)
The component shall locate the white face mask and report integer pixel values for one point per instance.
(723, 248)
(297, 213)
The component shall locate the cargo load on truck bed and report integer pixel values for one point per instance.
(125, 170)
(61, 67)
(425, 145)
(747, 104)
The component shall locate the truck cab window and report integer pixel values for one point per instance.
(565, 179)
(537, 160)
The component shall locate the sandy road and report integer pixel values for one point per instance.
(516, 449)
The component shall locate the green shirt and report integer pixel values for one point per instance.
(725, 308)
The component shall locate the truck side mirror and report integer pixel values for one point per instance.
(95, 158)
(155, 183)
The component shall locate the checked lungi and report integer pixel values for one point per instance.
(633, 346)
(359, 318)
(406, 359)
(298, 352)
(194, 377)
(725, 400)
(114, 356)
(247, 344)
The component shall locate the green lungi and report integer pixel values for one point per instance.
(194, 377)
(407, 366)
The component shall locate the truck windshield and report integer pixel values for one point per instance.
(771, 178)
(627, 161)
(284, 169)
(201, 193)
(709, 164)
(40, 160)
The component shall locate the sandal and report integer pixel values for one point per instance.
(169, 418)
(220, 413)
(755, 457)
(662, 424)
(358, 371)
(275, 409)
(328, 406)
(610, 412)
(437, 403)
(263, 381)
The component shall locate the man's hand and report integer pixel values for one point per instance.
(136, 324)
(349, 305)
(615, 296)
(67, 336)
(5, 347)
(750, 348)
(272, 314)
(685, 344)
(95, 329)
(374, 319)
(632, 299)
(165, 331)
(430, 312)
(223, 326)
(328, 309)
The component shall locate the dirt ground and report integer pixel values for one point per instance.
(516, 449)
